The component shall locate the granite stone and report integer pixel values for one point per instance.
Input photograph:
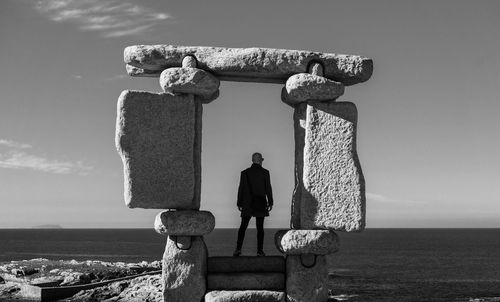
(305, 87)
(224, 264)
(184, 223)
(247, 64)
(244, 281)
(306, 281)
(158, 137)
(333, 192)
(184, 269)
(296, 242)
(245, 296)
(190, 80)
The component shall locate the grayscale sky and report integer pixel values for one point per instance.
(428, 130)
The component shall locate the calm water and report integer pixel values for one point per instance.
(377, 262)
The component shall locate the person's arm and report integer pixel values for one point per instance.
(269, 192)
(239, 201)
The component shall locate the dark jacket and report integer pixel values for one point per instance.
(255, 188)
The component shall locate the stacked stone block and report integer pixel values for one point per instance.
(329, 185)
(158, 136)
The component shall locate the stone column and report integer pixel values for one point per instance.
(328, 182)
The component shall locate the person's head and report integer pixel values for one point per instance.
(257, 158)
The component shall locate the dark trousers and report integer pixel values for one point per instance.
(259, 222)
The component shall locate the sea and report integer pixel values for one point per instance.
(374, 265)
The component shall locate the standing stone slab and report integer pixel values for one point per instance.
(333, 193)
(184, 269)
(306, 284)
(158, 137)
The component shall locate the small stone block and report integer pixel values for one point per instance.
(244, 281)
(191, 81)
(333, 193)
(306, 283)
(184, 223)
(184, 269)
(158, 137)
(305, 87)
(246, 264)
(245, 296)
(296, 242)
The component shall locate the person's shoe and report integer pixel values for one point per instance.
(261, 253)
(236, 253)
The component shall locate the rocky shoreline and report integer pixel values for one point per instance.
(40, 271)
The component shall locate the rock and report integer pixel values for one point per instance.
(246, 264)
(184, 223)
(247, 64)
(2, 281)
(243, 281)
(189, 80)
(245, 296)
(296, 242)
(145, 288)
(305, 87)
(306, 284)
(332, 192)
(184, 269)
(158, 137)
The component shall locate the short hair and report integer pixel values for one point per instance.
(255, 156)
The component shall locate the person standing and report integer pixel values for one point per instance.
(255, 199)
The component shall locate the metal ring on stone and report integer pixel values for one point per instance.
(308, 266)
(174, 238)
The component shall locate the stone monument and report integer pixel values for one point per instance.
(158, 136)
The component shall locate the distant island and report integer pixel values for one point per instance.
(47, 226)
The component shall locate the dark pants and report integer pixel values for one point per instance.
(259, 222)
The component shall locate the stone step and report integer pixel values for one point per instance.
(268, 264)
(245, 296)
(244, 281)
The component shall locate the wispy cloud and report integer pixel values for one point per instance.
(116, 77)
(13, 155)
(111, 18)
(386, 199)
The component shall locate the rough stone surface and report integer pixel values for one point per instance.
(333, 192)
(242, 281)
(247, 64)
(184, 223)
(246, 264)
(184, 269)
(191, 81)
(245, 296)
(305, 87)
(158, 137)
(296, 242)
(306, 284)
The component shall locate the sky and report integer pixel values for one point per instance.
(428, 126)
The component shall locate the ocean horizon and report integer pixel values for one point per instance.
(407, 262)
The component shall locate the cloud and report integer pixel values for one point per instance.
(12, 144)
(117, 77)
(385, 199)
(14, 156)
(112, 18)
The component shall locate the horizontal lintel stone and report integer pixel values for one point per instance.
(265, 65)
